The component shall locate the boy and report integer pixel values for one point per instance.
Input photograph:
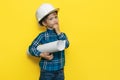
(51, 64)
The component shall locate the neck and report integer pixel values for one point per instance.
(50, 28)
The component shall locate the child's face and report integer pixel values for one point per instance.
(51, 20)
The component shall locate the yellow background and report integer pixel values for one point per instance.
(93, 29)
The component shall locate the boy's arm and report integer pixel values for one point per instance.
(62, 36)
(33, 47)
(34, 52)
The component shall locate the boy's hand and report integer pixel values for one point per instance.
(57, 29)
(46, 55)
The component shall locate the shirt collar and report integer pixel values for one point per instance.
(50, 31)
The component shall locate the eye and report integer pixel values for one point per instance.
(56, 17)
(50, 18)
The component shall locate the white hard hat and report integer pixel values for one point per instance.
(44, 10)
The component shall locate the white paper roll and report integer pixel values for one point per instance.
(55, 46)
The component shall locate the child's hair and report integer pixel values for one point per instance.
(40, 22)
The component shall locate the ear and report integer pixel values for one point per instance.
(44, 23)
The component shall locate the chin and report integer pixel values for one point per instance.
(51, 27)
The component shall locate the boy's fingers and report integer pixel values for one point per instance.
(50, 57)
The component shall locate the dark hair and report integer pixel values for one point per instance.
(40, 22)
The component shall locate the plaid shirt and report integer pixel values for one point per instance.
(58, 61)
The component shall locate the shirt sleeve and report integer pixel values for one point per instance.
(63, 36)
(33, 47)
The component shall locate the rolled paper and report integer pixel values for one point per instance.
(55, 46)
(28, 52)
